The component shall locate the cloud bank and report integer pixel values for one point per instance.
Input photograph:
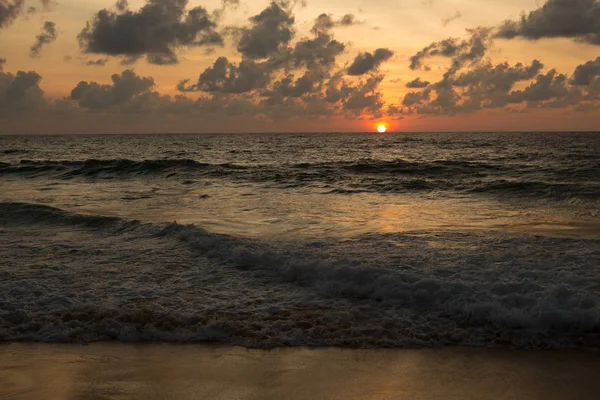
(156, 31)
(576, 19)
(9, 11)
(273, 72)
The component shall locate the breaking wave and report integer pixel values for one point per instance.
(135, 281)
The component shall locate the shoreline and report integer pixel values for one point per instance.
(115, 370)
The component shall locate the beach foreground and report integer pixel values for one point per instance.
(162, 371)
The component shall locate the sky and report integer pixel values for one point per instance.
(187, 66)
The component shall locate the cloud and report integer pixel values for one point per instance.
(270, 30)
(325, 22)
(20, 93)
(471, 82)
(576, 19)
(48, 35)
(461, 52)
(367, 62)
(2, 63)
(365, 96)
(446, 21)
(100, 62)
(348, 20)
(414, 98)
(124, 88)
(548, 86)
(226, 77)
(156, 31)
(284, 78)
(490, 86)
(417, 84)
(502, 75)
(277, 76)
(9, 11)
(292, 87)
(584, 74)
(317, 54)
(47, 5)
(322, 50)
(21, 83)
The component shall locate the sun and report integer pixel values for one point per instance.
(381, 128)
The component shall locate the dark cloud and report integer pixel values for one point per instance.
(125, 87)
(414, 98)
(21, 84)
(271, 30)
(20, 93)
(96, 63)
(9, 11)
(577, 19)
(461, 52)
(226, 77)
(290, 86)
(322, 50)
(367, 62)
(277, 76)
(48, 35)
(325, 22)
(365, 96)
(395, 112)
(348, 20)
(502, 76)
(445, 48)
(584, 74)
(2, 63)
(489, 86)
(286, 78)
(122, 5)
(317, 55)
(549, 86)
(417, 84)
(156, 31)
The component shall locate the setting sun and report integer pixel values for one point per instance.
(381, 128)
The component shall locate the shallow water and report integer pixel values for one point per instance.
(104, 371)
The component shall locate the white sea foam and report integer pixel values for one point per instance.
(70, 277)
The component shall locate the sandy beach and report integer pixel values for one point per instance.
(162, 371)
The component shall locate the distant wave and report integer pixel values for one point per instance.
(397, 176)
(513, 291)
(13, 151)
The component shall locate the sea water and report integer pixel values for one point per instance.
(262, 240)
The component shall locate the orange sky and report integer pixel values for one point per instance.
(404, 27)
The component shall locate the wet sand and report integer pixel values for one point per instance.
(161, 371)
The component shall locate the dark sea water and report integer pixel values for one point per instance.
(265, 240)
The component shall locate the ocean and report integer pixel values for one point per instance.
(266, 240)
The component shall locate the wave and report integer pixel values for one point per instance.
(14, 151)
(181, 283)
(397, 176)
(35, 214)
(99, 168)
